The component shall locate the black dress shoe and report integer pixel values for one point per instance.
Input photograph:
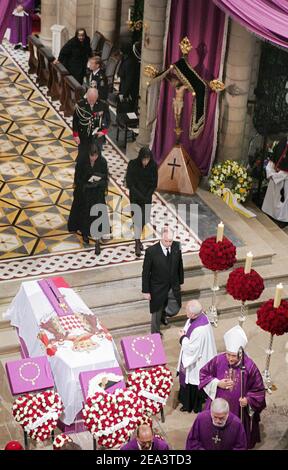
(85, 239)
(97, 248)
(183, 409)
(137, 248)
(18, 46)
(164, 321)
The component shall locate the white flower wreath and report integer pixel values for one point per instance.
(230, 175)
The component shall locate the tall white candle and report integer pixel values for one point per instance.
(278, 295)
(248, 263)
(220, 232)
(129, 14)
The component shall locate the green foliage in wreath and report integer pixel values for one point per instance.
(231, 175)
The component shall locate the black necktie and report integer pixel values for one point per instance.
(167, 254)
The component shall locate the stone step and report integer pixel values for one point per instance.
(263, 254)
(127, 291)
(9, 343)
(137, 315)
(133, 280)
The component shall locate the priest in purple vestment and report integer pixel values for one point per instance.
(145, 440)
(21, 23)
(238, 381)
(217, 429)
(197, 348)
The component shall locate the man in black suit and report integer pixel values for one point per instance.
(162, 276)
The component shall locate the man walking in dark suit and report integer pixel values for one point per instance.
(162, 276)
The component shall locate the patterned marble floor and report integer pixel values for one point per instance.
(37, 155)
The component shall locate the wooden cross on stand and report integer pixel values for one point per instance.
(216, 439)
(174, 165)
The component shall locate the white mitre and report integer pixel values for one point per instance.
(234, 339)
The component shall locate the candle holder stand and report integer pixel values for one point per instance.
(243, 313)
(269, 386)
(212, 310)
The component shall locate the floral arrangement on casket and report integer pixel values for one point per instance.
(153, 386)
(112, 418)
(38, 414)
(232, 175)
(245, 286)
(217, 256)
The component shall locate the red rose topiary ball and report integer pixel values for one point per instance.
(274, 320)
(245, 286)
(217, 256)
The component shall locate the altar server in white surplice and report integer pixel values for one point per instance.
(275, 202)
(197, 348)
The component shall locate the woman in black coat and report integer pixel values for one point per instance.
(91, 183)
(141, 180)
(75, 53)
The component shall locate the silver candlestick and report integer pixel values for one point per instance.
(266, 374)
(212, 310)
(243, 313)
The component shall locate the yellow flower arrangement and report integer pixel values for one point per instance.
(231, 175)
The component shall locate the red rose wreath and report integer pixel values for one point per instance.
(153, 386)
(38, 414)
(274, 320)
(217, 256)
(245, 286)
(112, 418)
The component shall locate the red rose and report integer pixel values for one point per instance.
(245, 286)
(274, 320)
(217, 256)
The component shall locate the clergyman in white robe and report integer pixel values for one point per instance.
(197, 348)
(275, 202)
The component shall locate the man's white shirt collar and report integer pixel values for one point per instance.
(164, 249)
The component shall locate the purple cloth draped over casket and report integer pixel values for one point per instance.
(55, 297)
(21, 26)
(143, 351)
(253, 390)
(158, 444)
(205, 436)
(30, 374)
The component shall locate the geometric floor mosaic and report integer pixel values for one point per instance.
(37, 155)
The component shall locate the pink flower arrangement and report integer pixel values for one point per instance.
(38, 414)
(153, 386)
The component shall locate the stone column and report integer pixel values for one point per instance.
(49, 9)
(154, 23)
(237, 79)
(124, 33)
(107, 18)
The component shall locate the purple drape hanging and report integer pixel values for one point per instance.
(266, 18)
(6, 8)
(203, 23)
